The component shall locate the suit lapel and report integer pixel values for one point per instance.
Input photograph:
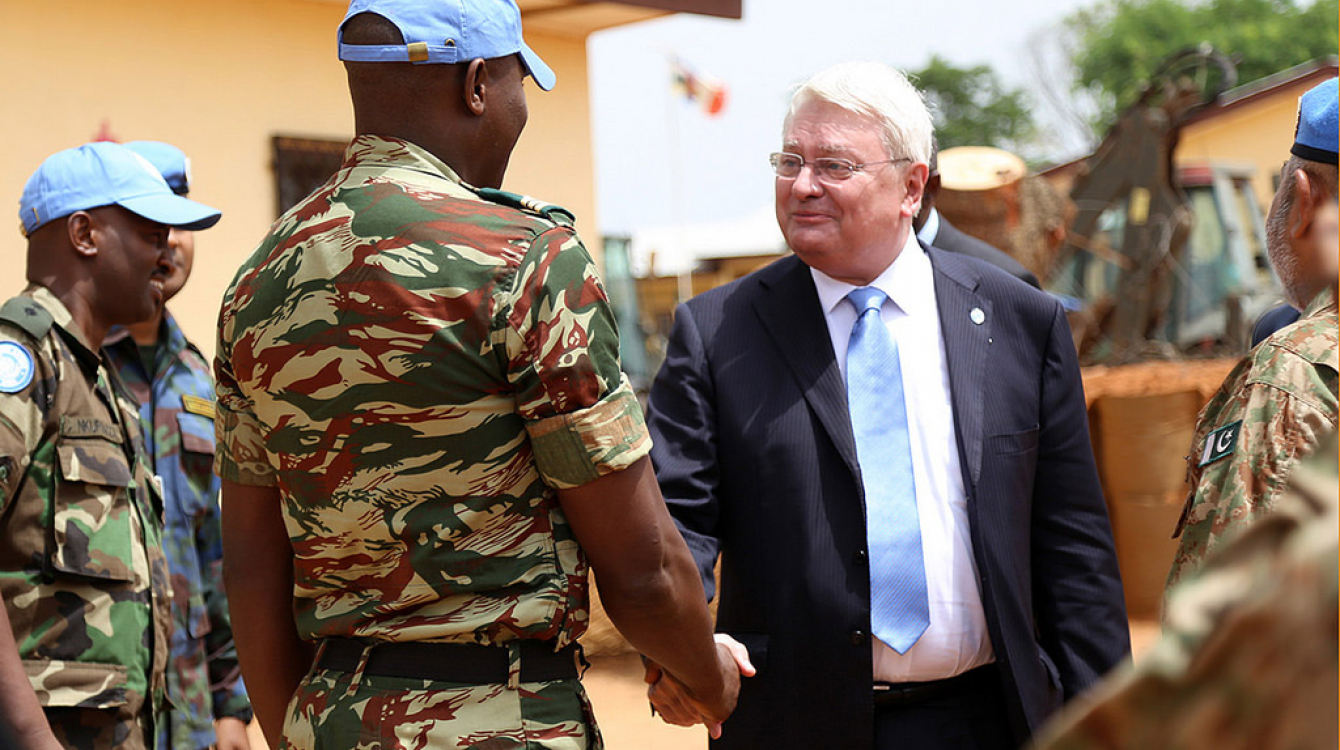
(967, 346)
(789, 311)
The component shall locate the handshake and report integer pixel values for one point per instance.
(709, 705)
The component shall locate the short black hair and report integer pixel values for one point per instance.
(371, 29)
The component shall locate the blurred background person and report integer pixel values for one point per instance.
(170, 378)
(933, 228)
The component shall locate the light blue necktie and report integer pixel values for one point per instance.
(899, 613)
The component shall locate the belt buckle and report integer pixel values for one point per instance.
(892, 694)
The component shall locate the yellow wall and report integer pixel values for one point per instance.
(219, 78)
(1257, 133)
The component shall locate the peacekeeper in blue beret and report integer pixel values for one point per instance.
(171, 382)
(1248, 653)
(1281, 400)
(84, 627)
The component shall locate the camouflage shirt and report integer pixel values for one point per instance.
(417, 369)
(177, 421)
(1271, 409)
(1248, 655)
(83, 576)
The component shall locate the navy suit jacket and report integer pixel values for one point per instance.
(754, 453)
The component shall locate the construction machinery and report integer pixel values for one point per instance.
(1159, 262)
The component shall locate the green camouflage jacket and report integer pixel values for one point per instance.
(1271, 410)
(82, 571)
(176, 409)
(417, 369)
(1248, 655)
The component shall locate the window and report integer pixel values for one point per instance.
(301, 166)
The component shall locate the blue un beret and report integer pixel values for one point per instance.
(1318, 127)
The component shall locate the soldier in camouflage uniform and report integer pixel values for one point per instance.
(84, 627)
(1248, 656)
(170, 379)
(1279, 401)
(424, 434)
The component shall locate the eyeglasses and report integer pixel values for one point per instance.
(788, 166)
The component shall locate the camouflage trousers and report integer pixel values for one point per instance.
(395, 713)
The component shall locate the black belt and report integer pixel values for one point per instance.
(912, 693)
(466, 663)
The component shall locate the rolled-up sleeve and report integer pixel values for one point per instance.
(562, 345)
(573, 449)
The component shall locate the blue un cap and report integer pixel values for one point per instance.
(1318, 127)
(447, 32)
(106, 174)
(170, 161)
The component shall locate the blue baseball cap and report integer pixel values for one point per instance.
(1318, 130)
(447, 32)
(170, 161)
(106, 174)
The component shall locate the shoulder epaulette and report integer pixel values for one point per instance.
(556, 214)
(191, 347)
(25, 313)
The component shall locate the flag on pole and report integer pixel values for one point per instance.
(709, 93)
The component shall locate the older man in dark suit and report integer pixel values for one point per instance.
(886, 445)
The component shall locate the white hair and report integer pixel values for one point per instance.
(877, 91)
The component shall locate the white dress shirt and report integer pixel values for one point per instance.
(957, 639)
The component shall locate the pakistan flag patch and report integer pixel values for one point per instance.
(1220, 443)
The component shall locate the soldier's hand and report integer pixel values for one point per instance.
(716, 709)
(669, 698)
(679, 706)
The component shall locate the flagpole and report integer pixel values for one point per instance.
(684, 287)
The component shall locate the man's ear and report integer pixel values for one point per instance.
(475, 89)
(81, 228)
(915, 184)
(1305, 203)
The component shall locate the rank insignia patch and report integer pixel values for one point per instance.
(196, 405)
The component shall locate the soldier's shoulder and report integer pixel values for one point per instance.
(194, 358)
(533, 208)
(1312, 340)
(25, 314)
(23, 325)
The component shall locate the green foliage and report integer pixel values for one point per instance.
(972, 108)
(1122, 42)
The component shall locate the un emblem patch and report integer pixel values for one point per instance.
(16, 367)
